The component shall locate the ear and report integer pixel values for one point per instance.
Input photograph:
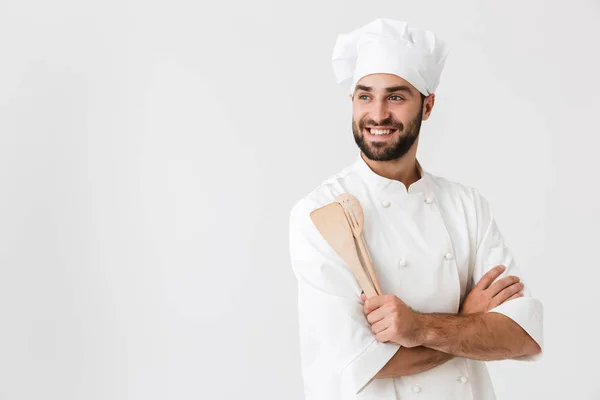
(428, 103)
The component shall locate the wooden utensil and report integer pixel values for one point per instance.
(331, 222)
(356, 219)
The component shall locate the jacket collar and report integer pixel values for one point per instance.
(378, 182)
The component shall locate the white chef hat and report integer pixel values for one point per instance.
(388, 46)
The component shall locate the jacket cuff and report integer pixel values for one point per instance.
(359, 372)
(528, 313)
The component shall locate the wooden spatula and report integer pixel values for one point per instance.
(331, 222)
(356, 219)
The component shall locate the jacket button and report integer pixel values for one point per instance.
(429, 200)
(463, 379)
(402, 263)
(416, 388)
(448, 256)
(385, 203)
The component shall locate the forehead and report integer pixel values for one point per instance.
(381, 81)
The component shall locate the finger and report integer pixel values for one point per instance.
(507, 293)
(489, 277)
(383, 336)
(379, 326)
(377, 315)
(502, 284)
(515, 296)
(373, 303)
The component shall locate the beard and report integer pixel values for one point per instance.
(388, 150)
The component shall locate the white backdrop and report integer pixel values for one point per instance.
(151, 152)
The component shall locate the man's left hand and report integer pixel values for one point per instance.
(392, 320)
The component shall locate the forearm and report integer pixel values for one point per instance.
(408, 361)
(486, 336)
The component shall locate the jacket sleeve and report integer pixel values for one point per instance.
(339, 353)
(526, 311)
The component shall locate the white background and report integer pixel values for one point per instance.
(150, 153)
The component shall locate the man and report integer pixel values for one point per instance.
(452, 296)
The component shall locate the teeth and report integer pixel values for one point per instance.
(381, 131)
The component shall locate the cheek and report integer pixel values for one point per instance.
(358, 113)
(401, 116)
(358, 118)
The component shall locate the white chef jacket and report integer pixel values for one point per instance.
(429, 245)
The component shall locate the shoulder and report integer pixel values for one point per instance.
(467, 200)
(466, 206)
(324, 193)
(444, 186)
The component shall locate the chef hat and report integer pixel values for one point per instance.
(388, 46)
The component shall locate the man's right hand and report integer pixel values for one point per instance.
(486, 295)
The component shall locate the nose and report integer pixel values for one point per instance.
(379, 112)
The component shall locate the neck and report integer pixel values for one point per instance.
(403, 169)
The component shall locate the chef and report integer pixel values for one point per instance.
(453, 296)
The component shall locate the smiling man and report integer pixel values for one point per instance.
(453, 297)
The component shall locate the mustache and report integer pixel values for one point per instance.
(383, 122)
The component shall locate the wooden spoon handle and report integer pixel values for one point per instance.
(369, 264)
(362, 277)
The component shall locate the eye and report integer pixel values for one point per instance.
(362, 95)
(398, 98)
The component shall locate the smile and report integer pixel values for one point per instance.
(380, 131)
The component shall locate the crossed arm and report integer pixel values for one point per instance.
(473, 333)
(490, 336)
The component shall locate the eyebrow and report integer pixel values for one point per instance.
(400, 88)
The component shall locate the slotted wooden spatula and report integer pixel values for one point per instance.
(331, 222)
(356, 219)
